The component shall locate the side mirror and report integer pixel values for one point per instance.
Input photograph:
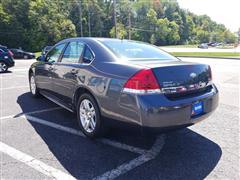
(41, 58)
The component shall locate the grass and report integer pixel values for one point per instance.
(225, 47)
(196, 45)
(207, 54)
(180, 46)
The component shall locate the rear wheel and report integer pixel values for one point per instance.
(3, 67)
(89, 118)
(25, 57)
(33, 87)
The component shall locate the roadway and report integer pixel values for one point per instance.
(40, 140)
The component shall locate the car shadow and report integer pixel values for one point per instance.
(185, 154)
(7, 72)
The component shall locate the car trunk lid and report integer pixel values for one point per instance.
(179, 76)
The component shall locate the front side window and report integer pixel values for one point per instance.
(55, 53)
(73, 52)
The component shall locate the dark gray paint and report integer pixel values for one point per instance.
(104, 79)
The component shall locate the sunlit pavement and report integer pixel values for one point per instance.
(40, 140)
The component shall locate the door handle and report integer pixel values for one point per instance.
(74, 71)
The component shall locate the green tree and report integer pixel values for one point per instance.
(32, 24)
(122, 32)
(229, 37)
(49, 25)
(238, 33)
(202, 36)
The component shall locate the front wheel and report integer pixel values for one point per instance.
(3, 67)
(33, 87)
(89, 118)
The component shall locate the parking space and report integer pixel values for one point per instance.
(40, 140)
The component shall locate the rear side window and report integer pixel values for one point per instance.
(88, 55)
(55, 53)
(73, 52)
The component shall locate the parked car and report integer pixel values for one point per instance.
(111, 81)
(219, 44)
(203, 46)
(46, 49)
(20, 54)
(6, 59)
(212, 44)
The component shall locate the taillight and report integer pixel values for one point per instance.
(10, 53)
(143, 82)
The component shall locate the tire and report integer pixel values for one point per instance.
(25, 57)
(33, 87)
(93, 127)
(3, 67)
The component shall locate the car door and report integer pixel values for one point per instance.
(67, 69)
(45, 70)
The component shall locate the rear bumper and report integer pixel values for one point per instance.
(165, 114)
(156, 113)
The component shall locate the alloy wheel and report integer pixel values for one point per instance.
(87, 115)
(3, 67)
(32, 85)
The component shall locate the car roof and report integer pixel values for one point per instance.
(92, 39)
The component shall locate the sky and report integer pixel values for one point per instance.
(226, 12)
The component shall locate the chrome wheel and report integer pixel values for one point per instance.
(25, 57)
(3, 67)
(87, 115)
(32, 85)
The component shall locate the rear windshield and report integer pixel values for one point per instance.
(135, 51)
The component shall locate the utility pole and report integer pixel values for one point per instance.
(129, 25)
(115, 18)
(80, 15)
(89, 22)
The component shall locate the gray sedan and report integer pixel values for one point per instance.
(114, 82)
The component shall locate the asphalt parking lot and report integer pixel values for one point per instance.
(40, 140)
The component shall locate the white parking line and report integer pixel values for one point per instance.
(20, 69)
(123, 146)
(79, 133)
(17, 87)
(34, 163)
(145, 155)
(124, 168)
(29, 113)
